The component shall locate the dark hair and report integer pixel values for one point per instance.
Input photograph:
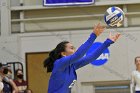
(18, 70)
(54, 55)
(136, 58)
(5, 71)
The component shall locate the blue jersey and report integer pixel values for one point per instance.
(64, 75)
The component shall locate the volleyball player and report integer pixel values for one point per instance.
(63, 61)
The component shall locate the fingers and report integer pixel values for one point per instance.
(98, 26)
(116, 36)
(94, 27)
(119, 34)
(101, 28)
(98, 29)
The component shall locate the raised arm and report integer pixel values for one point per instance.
(67, 60)
(94, 55)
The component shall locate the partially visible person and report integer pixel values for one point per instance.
(1, 86)
(1, 83)
(20, 82)
(9, 85)
(135, 78)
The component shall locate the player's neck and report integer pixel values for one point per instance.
(19, 80)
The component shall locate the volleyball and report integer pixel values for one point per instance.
(114, 17)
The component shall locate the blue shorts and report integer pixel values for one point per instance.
(137, 92)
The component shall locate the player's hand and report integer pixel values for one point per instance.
(98, 29)
(114, 37)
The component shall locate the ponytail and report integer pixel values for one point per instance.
(54, 55)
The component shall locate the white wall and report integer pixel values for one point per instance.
(9, 49)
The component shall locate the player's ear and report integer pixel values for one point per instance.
(63, 53)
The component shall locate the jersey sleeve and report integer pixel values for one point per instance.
(94, 55)
(63, 62)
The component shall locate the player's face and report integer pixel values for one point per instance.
(69, 49)
(19, 73)
(138, 62)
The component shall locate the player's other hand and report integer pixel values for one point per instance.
(114, 37)
(98, 29)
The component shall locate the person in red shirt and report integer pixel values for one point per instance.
(20, 82)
